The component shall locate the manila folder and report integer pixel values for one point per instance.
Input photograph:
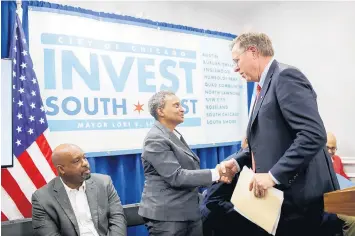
(265, 212)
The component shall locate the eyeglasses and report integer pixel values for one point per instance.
(332, 148)
(236, 61)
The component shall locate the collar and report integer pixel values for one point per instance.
(162, 127)
(177, 134)
(68, 189)
(264, 74)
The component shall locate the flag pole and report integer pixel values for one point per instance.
(19, 8)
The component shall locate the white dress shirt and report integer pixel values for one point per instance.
(214, 172)
(80, 205)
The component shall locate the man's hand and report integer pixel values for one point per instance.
(227, 170)
(260, 183)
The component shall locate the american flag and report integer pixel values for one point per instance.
(32, 166)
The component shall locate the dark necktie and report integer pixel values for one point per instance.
(258, 89)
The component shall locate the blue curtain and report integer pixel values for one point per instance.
(8, 14)
(125, 170)
(127, 173)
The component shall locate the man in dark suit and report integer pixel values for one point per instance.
(286, 136)
(218, 215)
(77, 202)
(170, 200)
(217, 212)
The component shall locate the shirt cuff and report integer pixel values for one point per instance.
(215, 175)
(273, 178)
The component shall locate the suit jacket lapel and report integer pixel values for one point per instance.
(187, 149)
(179, 142)
(92, 196)
(263, 91)
(63, 200)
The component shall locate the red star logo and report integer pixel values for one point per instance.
(139, 107)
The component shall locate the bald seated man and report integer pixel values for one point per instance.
(77, 202)
(332, 148)
(348, 221)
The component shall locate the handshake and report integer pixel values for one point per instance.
(227, 170)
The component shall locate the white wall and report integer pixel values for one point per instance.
(317, 37)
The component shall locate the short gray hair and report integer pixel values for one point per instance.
(158, 101)
(259, 40)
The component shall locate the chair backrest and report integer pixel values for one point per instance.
(131, 213)
(24, 227)
(17, 227)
